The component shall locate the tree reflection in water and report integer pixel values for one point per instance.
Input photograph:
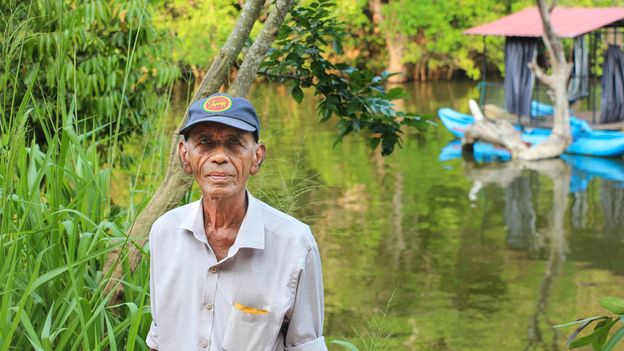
(520, 220)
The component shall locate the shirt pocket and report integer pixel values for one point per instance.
(248, 332)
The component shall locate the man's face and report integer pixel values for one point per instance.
(221, 158)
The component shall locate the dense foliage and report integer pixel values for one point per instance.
(199, 29)
(106, 56)
(357, 97)
(71, 71)
(434, 46)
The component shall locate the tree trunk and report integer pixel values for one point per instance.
(176, 182)
(449, 73)
(256, 53)
(396, 47)
(502, 133)
(395, 42)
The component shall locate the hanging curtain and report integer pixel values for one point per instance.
(518, 77)
(612, 101)
(578, 87)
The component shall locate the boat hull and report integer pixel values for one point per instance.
(585, 141)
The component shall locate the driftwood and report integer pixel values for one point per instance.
(498, 113)
(496, 132)
(176, 182)
(502, 133)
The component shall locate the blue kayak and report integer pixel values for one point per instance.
(482, 152)
(586, 141)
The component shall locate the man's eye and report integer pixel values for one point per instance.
(234, 142)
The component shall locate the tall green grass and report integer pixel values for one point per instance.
(57, 225)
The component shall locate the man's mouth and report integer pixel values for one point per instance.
(218, 176)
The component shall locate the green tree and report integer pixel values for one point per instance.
(199, 28)
(106, 54)
(424, 39)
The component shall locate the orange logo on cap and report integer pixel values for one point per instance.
(218, 104)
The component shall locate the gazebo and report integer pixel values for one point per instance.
(590, 29)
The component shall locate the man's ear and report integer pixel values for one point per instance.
(259, 153)
(183, 153)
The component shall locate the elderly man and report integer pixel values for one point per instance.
(229, 272)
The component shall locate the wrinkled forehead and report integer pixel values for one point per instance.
(215, 130)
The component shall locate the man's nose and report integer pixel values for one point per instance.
(219, 155)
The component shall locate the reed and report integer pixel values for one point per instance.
(57, 223)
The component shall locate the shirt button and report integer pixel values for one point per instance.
(208, 306)
(213, 270)
(204, 344)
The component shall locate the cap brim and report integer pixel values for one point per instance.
(228, 121)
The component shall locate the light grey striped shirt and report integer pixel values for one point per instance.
(267, 294)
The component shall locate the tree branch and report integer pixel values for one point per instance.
(255, 55)
(551, 39)
(230, 50)
(283, 76)
(540, 74)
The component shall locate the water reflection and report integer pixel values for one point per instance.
(520, 219)
(522, 186)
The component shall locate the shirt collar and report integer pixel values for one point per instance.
(250, 234)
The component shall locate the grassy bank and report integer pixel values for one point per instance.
(57, 220)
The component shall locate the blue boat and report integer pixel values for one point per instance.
(482, 152)
(586, 141)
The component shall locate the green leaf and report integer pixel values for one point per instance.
(613, 304)
(338, 47)
(591, 338)
(374, 142)
(46, 341)
(30, 331)
(396, 93)
(297, 93)
(347, 345)
(605, 326)
(585, 340)
(584, 323)
(615, 340)
(599, 342)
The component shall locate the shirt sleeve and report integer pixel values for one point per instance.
(305, 328)
(152, 336)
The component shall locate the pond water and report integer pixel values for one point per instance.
(422, 254)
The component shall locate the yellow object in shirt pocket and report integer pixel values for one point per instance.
(249, 329)
(249, 310)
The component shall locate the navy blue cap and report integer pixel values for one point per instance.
(221, 108)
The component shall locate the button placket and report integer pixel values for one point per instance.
(208, 307)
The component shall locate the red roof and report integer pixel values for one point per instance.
(568, 22)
